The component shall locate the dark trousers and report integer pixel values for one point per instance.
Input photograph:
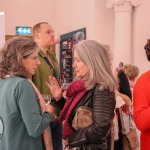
(56, 130)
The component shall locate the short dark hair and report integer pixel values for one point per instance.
(11, 54)
(148, 54)
(147, 49)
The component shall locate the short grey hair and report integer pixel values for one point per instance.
(98, 60)
(11, 55)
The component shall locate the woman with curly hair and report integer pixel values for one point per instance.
(24, 117)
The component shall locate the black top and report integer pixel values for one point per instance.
(124, 86)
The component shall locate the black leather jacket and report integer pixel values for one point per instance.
(94, 137)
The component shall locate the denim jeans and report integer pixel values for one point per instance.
(56, 130)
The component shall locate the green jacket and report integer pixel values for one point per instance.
(44, 71)
(20, 116)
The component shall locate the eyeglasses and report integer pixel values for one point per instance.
(33, 57)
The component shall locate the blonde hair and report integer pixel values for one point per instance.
(131, 71)
(97, 58)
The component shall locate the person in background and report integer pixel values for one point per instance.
(93, 87)
(43, 35)
(127, 77)
(24, 117)
(141, 104)
(132, 73)
(124, 88)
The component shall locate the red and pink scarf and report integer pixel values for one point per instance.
(75, 92)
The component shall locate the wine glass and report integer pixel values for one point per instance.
(64, 84)
(65, 87)
(47, 99)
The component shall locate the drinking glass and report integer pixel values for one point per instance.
(65, 86)
(47, 99)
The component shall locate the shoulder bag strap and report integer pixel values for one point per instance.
(121, 119)
(48, 62)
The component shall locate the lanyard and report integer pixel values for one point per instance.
(48, 62)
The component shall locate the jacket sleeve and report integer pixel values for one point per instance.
(103, 104)
(35, 122)
(141, 97)
(59, 103)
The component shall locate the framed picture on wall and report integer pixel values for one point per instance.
(68, 40)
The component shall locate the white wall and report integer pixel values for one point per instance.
(69, 15)
(2, 28)
(141, 32)
(104, 23)
(26, 13)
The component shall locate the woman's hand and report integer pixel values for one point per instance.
(66, 145)
(54, 87)
(127, 100)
